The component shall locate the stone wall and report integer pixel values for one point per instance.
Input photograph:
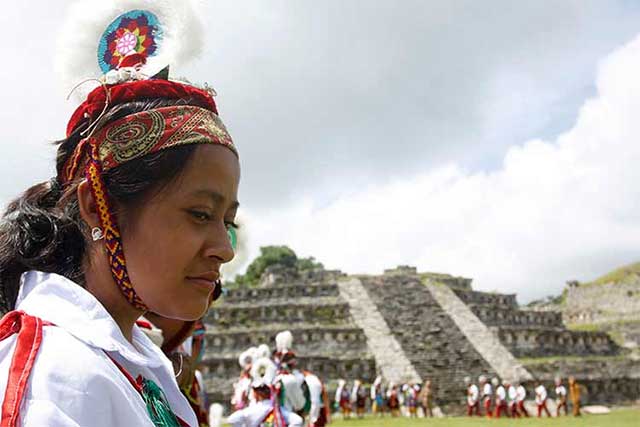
(538, 342)
(345, 340)
(500, 315)
(308, 303)
(430, 339)
(284, 292)
(505, 301)
(321, 310)
(603, 380)
(595, 303)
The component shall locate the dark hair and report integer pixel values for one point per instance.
(42, 229)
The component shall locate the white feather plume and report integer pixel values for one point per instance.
(86, 21)
(263, 372)
(247, 357)
(284, 340)
(263, 351)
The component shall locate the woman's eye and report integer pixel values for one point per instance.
(200, 216)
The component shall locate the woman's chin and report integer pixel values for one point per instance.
(186, 311)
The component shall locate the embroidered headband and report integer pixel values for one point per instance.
(147, 132)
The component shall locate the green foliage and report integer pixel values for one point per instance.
(618, 418)
(273, 255)
(308, 264)
(618, 275)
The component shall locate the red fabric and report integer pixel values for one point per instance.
(144, 324)
(487, 406)
(522, 409)
(475, 408)
(501, 406)
(513, 410)
(29, 330)
(150, 131)
(543, 407)
(137, 90)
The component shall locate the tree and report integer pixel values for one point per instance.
(269, 255)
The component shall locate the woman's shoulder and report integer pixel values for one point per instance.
(70, 380)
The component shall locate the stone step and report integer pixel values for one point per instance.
(300, 290)
(537, 342)
(321, 311)
(307, 338)
(502, 316)
(487, 298)
(482, 338)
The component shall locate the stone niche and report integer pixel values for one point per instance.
(537, 342)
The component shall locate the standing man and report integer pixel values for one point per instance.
(512, 399)
(574, 392)
(541, 399)
(426, 399)
(487, 394)
(473, 398)
(521, 395)
(561, 397)
(501, 399)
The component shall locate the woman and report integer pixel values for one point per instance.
(136, 220)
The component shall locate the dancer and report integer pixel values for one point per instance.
(541, 399)
(343, 400)
(561, 397)
(473, 396)
(512, 399)
(574, 392)
(426, 399)
(266, 410)
(500, 399)
(136, 219)
(521, 395)
(487, 393)
(377, 397)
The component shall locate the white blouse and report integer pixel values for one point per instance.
(73, 382)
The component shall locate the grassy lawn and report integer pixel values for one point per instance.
(617, 418)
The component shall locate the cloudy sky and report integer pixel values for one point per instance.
(495, 140)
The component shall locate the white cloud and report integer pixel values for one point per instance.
(555, 210)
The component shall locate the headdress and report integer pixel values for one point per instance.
(263, 372)
(134, 44)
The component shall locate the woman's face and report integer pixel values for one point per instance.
(176, 243)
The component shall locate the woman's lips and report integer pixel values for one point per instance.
(202, 283)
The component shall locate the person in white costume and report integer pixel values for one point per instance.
(512, 399)
(263, 411)
(501, 399)
(242, 388)
(541, 399)
(521, 395)
(561, 397)
(487, 393)
(473, 398)
(138, 218)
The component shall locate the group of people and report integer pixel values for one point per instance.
(272, 390)
(497, 398)
(409, 399)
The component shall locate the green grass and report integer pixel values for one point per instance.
(618, 275)
(574, 359)
(617, 418)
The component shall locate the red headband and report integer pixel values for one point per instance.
(136, 91)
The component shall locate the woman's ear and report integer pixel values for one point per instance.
(87, 205)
